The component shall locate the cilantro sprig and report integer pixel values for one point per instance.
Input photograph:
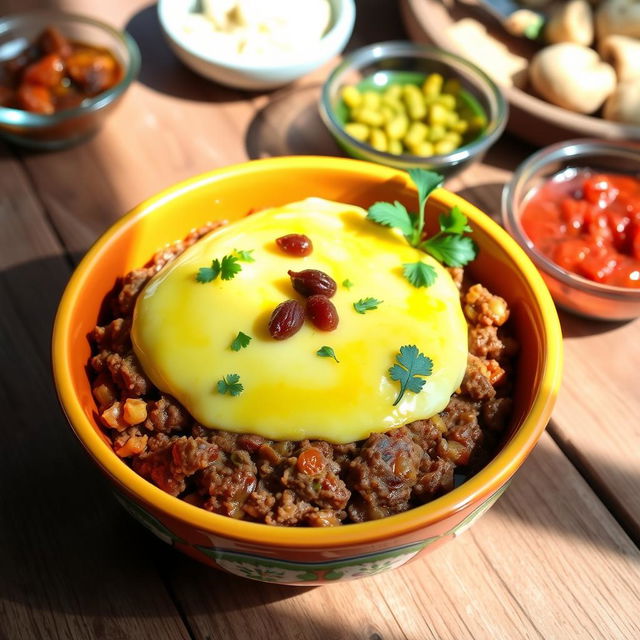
(366, 304)
(230, 384)
(419, 274)
(241, 341)
(448, 246)
(227, 269)
(244, 255)
(410, 369)
(327, 352)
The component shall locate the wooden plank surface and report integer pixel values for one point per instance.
(548, 561)
(72, 565)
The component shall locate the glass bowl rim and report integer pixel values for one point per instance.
(564, 151)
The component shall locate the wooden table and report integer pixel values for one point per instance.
(557, 557)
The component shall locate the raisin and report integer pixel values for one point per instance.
(286, 319)
(295, 244)
(310, 282)
(322, 312)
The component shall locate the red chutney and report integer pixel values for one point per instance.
(588, 223)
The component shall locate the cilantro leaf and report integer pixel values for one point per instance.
(229, 267)
(230, 384)
(244, 255)
(391, 215)
(366, 304)
(454, 222)
(427, 182)
(241, 341)
(410, 364)
(347, 284)
(419, 274)
(452, 250)
(208, 274)
(327, 352)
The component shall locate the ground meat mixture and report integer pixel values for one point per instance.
(310, 482)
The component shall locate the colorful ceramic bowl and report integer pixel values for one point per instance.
(304, 555)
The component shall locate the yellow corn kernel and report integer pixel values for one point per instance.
(432, 85)
(135, 411)
(454, 137)
(368, 116)
(395, 147)
(416, 133)
(452, 118)
(371, 100)
(438, 114)
(436, 133)
(397, 128)
(357, 130)
(112, 417)
(452, 86)
(351, 96)
(103, 395)
(477, 123)
(460, 126)
(378, 139)
(387, 113)
(443, 147)
(394, 92)
(414, 101)
(423, 149)
(132, 447)
(447, 101)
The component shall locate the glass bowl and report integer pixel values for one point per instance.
(382, 63)
(68, 126)
(569, 290)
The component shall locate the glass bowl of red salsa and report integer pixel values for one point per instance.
(575, 209)
(60, 75)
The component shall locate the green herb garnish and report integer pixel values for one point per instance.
(366, 304)
(244, 255)
(327, 352)
(347, 284)
(419, 274)
(241, 341)
(410, 364)
(226, 269)
(448, 246)
(230, 384)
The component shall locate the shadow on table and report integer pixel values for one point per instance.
(161, 70)
(290, 124)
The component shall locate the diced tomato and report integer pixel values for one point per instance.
(573, 213)
(588, 223)
(635, 241)
(598, 190)
(569, 253)
(48, 71)
(597, 265)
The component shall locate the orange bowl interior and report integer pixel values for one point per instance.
(230, 193)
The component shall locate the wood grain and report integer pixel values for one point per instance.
(66, 549)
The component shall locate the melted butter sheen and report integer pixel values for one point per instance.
(182, 329)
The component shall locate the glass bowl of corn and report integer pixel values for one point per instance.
(407, 105)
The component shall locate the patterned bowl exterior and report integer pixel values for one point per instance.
(290, 555)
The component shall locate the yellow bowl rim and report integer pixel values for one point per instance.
(483, 484)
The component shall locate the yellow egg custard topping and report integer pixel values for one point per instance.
(201, 329)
